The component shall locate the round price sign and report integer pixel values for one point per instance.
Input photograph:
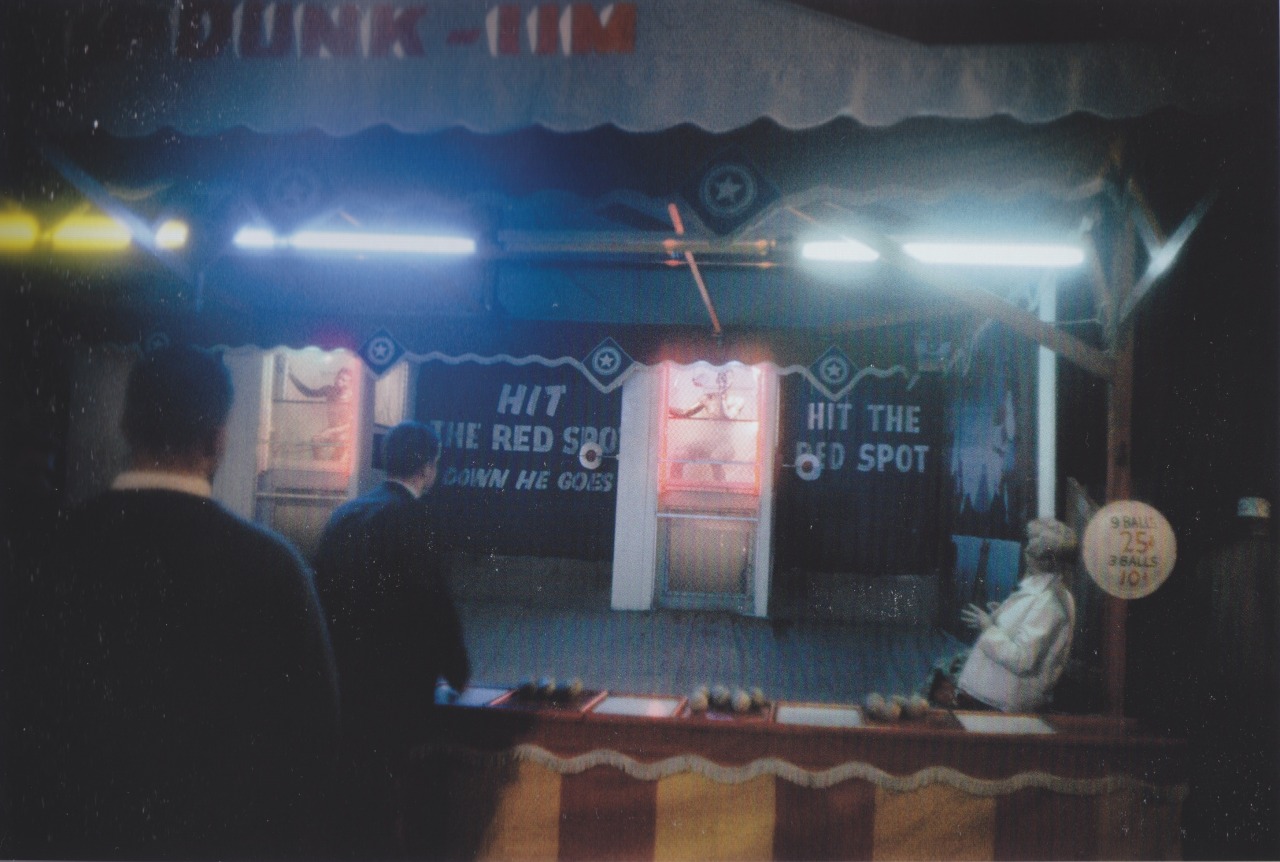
(1129, 549)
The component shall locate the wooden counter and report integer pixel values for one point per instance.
(555, 784)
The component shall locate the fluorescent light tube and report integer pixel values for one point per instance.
(172, 234)
(18, 231)
(90, 232)
(1039, 255)
(258, 238)
(391, 243)
(845, 251)
(255, 238)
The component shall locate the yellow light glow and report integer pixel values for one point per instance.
(90, 232)
(172, 234)
(18, 231)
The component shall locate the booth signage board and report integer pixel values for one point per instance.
(1129, 549)
(510, 478)
(872, 501)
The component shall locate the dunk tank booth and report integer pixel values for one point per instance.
(695, 488)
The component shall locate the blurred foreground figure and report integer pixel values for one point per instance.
(1235, 782)
(178, 695)
(395, 633)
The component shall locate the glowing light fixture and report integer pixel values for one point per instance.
(394, 243)
(18, 231)
(90, 232)
(1038, 255)
(844, 251)
(172, 234)
(255, 238)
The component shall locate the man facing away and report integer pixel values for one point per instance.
(180, 697)
(395, 633)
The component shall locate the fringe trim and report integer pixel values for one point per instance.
(819, 780)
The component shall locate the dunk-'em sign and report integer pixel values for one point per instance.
(263, 30)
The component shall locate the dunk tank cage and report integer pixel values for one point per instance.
(696, 467)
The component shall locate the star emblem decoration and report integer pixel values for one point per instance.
(832, 369)
(381, 351)
(295, 190)
(607, 360)
(727, 190)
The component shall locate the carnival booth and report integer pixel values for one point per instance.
(742, 306)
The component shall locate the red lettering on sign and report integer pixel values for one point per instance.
(392, 27)
(546, 29)
(321, 32)
(206, 29)
(463, 37)
(253, 23)
(613, 31)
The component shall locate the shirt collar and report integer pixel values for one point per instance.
(1037, 583)
(155, 480)
(412, 493)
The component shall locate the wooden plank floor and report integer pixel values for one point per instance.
(672, 652)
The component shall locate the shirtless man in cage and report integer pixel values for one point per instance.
(331, 443)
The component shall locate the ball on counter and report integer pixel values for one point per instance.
(916, 706)
(741, 700)
(758, 700)
(720, 696)
(881, 709)
(575, 687)
(699, 700)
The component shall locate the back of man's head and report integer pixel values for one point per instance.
(176, 403)
(409, 446)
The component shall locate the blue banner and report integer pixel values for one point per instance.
(510, 479)
(877, 503)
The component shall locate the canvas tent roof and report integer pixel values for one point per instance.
(564, 133)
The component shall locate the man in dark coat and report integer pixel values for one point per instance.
(179, 696)
(396, 633)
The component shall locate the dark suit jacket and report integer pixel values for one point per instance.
(395, 628)
(178, 692)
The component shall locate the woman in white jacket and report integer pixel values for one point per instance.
(1025, 641)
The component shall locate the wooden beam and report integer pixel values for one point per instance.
(1103, 304)
(1063, 343)
(897, 319)
(141, 233)
(1162, 260)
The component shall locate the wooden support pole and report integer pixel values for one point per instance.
(1119, 462)
(1119, 487)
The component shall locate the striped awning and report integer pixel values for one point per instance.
(204, 66)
